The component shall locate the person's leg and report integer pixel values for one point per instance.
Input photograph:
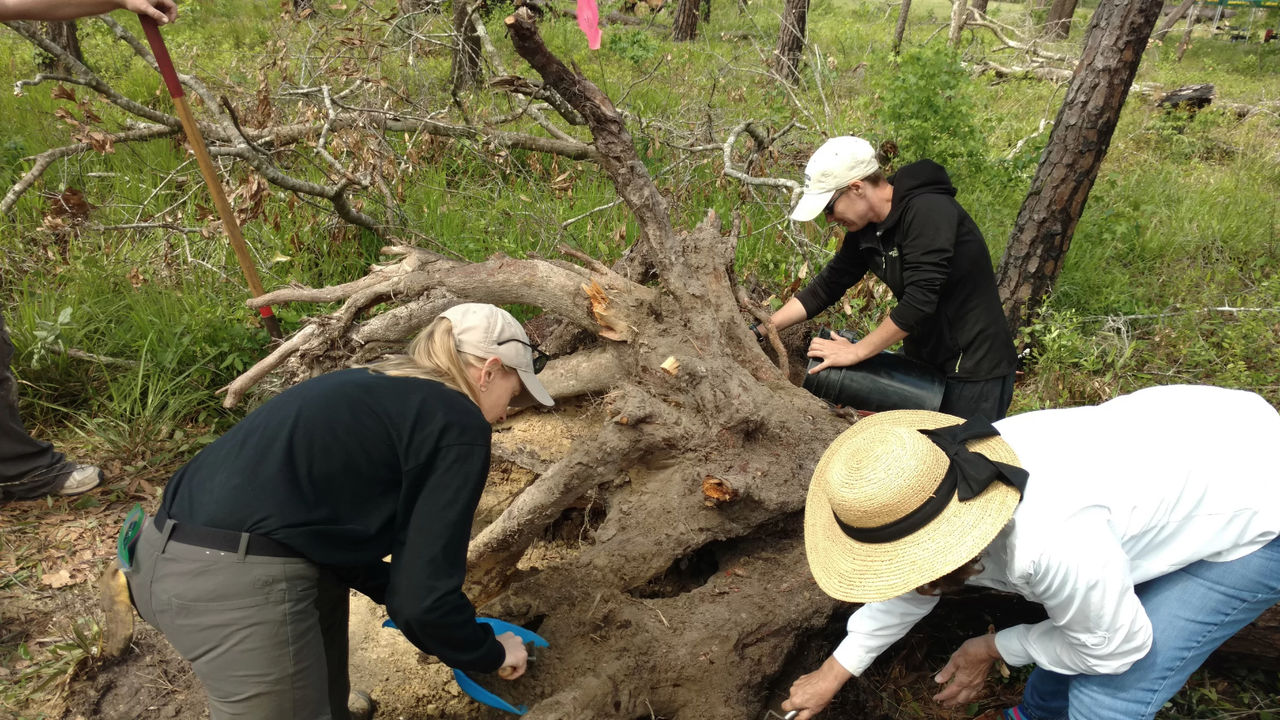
(1045, 696)
(1192, 611)
(332, 603)
(29, 468)
(969, 399)
(251, 629)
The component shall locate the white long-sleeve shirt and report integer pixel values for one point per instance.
(1119, 493)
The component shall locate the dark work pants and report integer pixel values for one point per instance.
(988, 399)
(29, 468)
(266, 636)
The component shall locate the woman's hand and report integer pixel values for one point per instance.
(967, 670)
(812, 693)
(836, 352)
(517, 656)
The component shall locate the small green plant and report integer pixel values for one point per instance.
(48, 336)
(930, 109)
(636, 46)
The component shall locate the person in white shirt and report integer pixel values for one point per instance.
(1146, 526)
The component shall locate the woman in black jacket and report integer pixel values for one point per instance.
(911, 233)
(246, 566)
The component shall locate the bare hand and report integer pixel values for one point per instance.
(162, 11)
(967, 670)
(513, 666)
(812, 693)
(836, 352)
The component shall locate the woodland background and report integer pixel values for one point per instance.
(127, 308)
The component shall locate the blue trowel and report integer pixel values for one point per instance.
(473, 688)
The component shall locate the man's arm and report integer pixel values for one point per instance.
(162, 11)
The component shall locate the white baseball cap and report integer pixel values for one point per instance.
(839, 161)
(489, 331)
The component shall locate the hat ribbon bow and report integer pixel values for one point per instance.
(968, 474)
(974, 472)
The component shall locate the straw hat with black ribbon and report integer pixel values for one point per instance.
(904, 497)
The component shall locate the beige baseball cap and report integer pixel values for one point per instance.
(489, 331)
(838, 162)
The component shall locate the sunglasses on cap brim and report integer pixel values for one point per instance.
(539, 358)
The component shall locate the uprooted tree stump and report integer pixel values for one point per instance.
(700, 466)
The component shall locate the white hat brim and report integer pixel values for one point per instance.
(811, 205)
(534, 388)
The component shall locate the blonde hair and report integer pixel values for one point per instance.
(433, 355)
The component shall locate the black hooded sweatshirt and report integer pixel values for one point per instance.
(932, 256)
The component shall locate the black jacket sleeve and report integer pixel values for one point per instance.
(429, 560)
(845, 269)
(927, 238)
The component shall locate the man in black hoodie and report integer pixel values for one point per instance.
(911, 233)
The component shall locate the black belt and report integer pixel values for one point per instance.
(225, 540)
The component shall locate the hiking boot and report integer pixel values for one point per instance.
(360, 705)
(82, 478)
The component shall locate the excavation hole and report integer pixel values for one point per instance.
(578, 523)
(685, 574)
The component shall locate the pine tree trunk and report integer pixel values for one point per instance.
(1059, 23)
(1082, 133)
(465, 70)
(791, 40)
(686, 22)
(959, 12)
(64, 35)
(1186, 34)
(901, 29)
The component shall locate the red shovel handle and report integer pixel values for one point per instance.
(162, 56)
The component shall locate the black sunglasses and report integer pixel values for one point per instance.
(831, 204)
(539, 358)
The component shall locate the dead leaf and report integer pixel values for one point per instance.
(62, 92)
(136, 279)
(66, 116)
(62, 578)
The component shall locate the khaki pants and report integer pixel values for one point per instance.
(266, 636)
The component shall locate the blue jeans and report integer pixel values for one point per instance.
(1192, 611)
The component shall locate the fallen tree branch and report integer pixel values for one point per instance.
(733, 172)
(47, 158)
(980, 19)
(617, 153)
(86, 77)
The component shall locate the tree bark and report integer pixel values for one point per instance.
(1164, 27)
(959, 12)
(903, 10)
(1059, 23)
(465, 70)
(1186, 34)
(686, 21)
(791, 40)
(65, 35)
(979, 5)
(1115, 39)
